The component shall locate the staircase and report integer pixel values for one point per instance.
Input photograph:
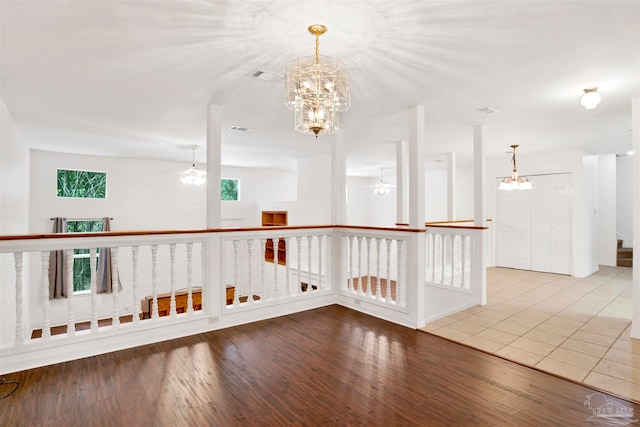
(625, 256)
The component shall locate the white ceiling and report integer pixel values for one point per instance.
(134, 78)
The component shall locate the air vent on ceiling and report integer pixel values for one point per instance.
(487, 110)
(266, 76)
(240, 129)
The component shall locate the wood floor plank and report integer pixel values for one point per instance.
(331, 366)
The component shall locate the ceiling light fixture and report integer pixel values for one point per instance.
(317, 90)
(193, 175)
(381, 188)
(591, 98)
(515, 182)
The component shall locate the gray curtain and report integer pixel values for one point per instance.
(104, 274)
(57, 266)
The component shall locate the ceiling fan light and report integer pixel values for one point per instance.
(591, 98)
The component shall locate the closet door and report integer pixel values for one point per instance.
(551, 223)
(513, 229)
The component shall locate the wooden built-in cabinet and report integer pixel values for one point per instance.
(273, 219)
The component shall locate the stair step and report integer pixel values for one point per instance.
(624, 262)
(619, 243)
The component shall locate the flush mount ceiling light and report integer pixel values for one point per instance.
(515, 182)
(192, 175)
(591, 98)
(317, 90)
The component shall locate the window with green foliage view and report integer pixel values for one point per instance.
(81, 257)
(74, 183)
(229, 189)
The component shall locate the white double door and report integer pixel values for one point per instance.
(533, 228)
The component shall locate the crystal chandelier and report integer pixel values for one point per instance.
(317, 90)
(515, 182)
(192, 175)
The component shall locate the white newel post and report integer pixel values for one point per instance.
(635, 111)
(479, 246)
(190, 278)
(416, 245)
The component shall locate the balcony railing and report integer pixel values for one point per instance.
(178, 283)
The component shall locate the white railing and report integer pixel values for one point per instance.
(455, 275)
(179, 283)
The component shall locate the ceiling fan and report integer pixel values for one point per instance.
(192, 175)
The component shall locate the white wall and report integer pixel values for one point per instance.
(607, 209)
(14, 176)
(587, 251)
(14, 208)
(314, 192)
(624, 202)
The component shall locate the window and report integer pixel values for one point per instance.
(73, 183)
(81, 257)
(229, 189)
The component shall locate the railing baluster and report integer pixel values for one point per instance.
(433, 257)
(172, 281)
(360, 288)
(71, 320)
(190, 279)
(309, 244)
(350, 264)
(453, 259)
(299, 249)
(463, 283)
(320, 240)
(250, 270)
(399, 281)
(44, 289)
(263, 287)
(236, 273)
(388, 256)
(276, 247)
(443, 239)
(368, 266)
(115, 288)
(287, 262)
(154, 281)
(93, 260)
(17, 260)
(378, 275)
(135, 251)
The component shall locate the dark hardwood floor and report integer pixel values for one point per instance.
(331, 366)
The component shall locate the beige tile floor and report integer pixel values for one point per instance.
(574, 328)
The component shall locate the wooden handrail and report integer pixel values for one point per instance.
(194, 231)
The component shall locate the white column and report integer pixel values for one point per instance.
(451, 186)
(635, 111)
(214, 159)
(479, 176)
(480, 243)
(415, 252)
(338, 180)
(402, 180)
(416, 166)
